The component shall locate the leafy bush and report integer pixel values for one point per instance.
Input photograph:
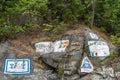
(116, 40)
(11, 29)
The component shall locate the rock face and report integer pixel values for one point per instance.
(39, 74)
(63, 62)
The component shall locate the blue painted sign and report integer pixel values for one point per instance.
(86, 65)
(17, 66)
(94, 36)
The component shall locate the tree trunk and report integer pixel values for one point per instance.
(93, 13)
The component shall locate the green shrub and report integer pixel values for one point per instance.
(116, 40)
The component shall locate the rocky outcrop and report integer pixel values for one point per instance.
(65, 65)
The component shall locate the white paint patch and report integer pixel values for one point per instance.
(93, 36)
(86, 65)
(48, 47)
(44, 47)
(98, 48)
(17, 66)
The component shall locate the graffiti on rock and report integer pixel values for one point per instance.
(48, 47)
(60, 46)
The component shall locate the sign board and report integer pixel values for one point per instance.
(17, 66)
(86, 65)
(48, 47)
(98, 48)
(93, 36)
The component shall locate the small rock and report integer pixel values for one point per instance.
(91, 77)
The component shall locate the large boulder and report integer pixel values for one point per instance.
(69, 60)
